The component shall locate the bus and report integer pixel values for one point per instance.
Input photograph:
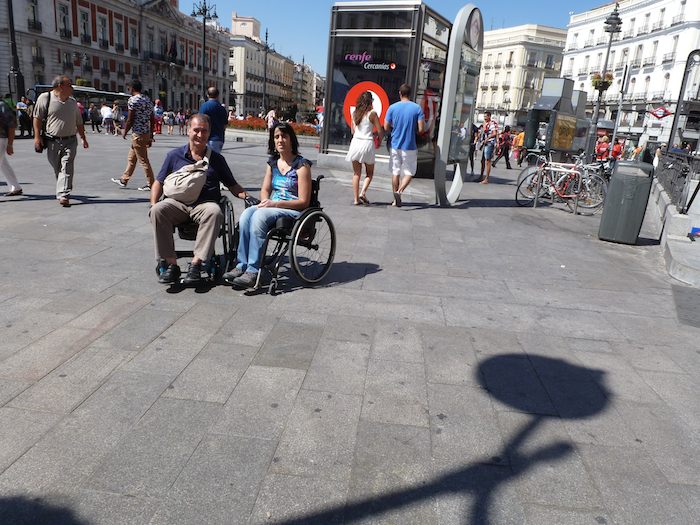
(84, 95)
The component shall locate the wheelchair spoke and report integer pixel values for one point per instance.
(313, 246)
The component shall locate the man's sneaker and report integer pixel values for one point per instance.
(233, 274)
(397, 199)
(245, 281)
(170, 275)
(144, 188)
(194, 274)
(119, 183)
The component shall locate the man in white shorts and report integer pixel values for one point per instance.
(403, 119)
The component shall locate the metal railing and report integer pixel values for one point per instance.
(677, 20)
(34, 25)
(668, 57)
(674, 172)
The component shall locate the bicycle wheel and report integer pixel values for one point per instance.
(525, 193)
(592, 196)
(313, 246)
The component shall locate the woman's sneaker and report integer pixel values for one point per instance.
(245, 281)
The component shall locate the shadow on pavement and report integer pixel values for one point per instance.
(77, 200)
(580, 394)
(19, 510)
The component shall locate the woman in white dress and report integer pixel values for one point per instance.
(362, 146)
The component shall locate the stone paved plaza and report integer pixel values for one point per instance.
(479, 364)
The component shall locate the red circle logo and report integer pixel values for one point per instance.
(392, 66)
(380, 100)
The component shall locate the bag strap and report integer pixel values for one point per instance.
(207, 154)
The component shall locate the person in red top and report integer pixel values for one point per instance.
(616, 151)
(602, 149)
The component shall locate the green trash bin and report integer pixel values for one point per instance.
(626, 202)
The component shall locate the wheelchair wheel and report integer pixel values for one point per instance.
(228, 235)
(312, 246)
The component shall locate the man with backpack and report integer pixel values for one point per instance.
(58, 111)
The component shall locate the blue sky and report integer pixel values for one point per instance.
(300, 27)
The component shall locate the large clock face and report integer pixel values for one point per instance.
(475, 30)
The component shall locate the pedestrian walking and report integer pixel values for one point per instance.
(364, 122)
(8, 124)
(169, 120)
(95, 118)
(489, 136)
(140, 122)
(180, 121)
(218, 119)
(403, 119)
(118, 120)
(158, 111)
(107, 118)
(519, 146)
(58, 110)
(504, 143)
(602, 149)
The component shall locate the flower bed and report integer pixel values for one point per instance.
(259, 124)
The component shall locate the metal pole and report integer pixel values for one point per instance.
(204, 48)
(623, 90)
(264, 97)
(593, 131)
(15, 72)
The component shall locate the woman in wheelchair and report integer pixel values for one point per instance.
(286, 191)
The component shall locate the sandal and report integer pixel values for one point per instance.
(364, 200)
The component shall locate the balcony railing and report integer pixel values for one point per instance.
(532, 63)
(619, 66)
(494, 85)
(498, 63)
(487, 65)
(38, 60)
(612, 97)
(573, 47)
(87, 68)
(657, 95)
(104, 70)
(657, 25)
(602, 40)
(484, 84)
(643, 30)
(628, 34)
(649, 61)
(589, 43)
(568, 73)
(677, 20)
(583, 71)
(65, 33)
(668, 57)
(134, 51)
(150, 55)
(68, 65)
(190, 65)
(104, 43)
(119, 48)
(120, 74)
(34, 25)
(179, 62)
(505, 85)
(636, 62)
(549, 66)
(509, 65)
(199, 68)
(85, 39)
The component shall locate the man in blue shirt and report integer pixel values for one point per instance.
(402, 120)
(218, 118)
(205, 211)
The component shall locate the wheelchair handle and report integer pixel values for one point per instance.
(251, 201)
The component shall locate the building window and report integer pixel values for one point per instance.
(63, 17)
(33, 14)
(132, 38)
(119, 33)
(84, 24)
(102, 27)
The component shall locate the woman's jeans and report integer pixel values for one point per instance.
(253, 227)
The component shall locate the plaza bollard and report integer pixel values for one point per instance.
(626, 202)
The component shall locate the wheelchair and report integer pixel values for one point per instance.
(219, 263)
(309, 241)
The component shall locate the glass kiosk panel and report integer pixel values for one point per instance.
(380, 60)
(469, 65)
(431, 77)
(374, 19)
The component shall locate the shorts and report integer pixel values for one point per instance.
(488, 151)
(403, 162)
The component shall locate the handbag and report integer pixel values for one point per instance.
(185, 184)
(377, 140)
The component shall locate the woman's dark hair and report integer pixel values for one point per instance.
(363, 105)
(287, 129)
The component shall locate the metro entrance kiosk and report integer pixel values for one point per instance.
(376, 47)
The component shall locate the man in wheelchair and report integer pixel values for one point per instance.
(166, 214)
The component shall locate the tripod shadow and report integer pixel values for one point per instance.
(581, 393)
(19, 510)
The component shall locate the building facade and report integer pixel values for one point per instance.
(654, 43)
(107, 43)
(515, 62)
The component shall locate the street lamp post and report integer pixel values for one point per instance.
(264, 97)
(15, 77)
(612, 25)
(207, 12)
